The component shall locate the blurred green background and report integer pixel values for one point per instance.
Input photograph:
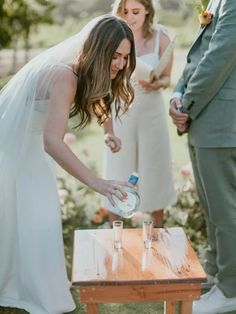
(28, 26)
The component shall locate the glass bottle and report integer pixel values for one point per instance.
(130, 205)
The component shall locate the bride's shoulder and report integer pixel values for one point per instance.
(64, 78)
(64, 71)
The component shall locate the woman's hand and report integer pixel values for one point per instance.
(111, 188)
(150, 86)
(155, 84)
(113, 142)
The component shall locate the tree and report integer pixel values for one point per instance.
(184, 8)
(21, 17)
(5, 35)
(34, 13)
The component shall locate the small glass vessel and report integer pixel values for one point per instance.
(130, 205)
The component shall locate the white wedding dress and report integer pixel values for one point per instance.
(32, 264)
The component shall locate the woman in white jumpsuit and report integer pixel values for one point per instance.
(143, 130)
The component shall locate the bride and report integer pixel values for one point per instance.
(80, 77)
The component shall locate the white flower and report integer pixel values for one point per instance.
(63, 193)
(177, 187)
(69, 138)
(188, 186)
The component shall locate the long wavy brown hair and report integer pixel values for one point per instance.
(95, 89)
(118, 10)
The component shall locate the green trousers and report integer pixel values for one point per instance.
(215, 177)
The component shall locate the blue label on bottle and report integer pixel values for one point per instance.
(133, 179)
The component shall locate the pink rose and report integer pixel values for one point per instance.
(187, 170)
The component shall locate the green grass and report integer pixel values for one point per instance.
(130, 308)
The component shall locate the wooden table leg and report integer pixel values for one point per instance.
(185, 307)
(92, 308)
(170, 307)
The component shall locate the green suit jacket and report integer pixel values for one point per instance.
(208, 82)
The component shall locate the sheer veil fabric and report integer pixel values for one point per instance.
(32, 82)
(32, 266)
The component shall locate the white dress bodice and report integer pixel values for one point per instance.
(151, 60)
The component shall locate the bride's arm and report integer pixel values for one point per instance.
(61, 98)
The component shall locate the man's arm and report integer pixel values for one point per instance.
(179, 88)
(179, 118)
(216, 65)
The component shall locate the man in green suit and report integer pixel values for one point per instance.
(204, 105)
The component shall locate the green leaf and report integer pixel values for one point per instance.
(201, 5)
(205, 4)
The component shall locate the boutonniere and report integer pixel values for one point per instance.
(204, 16)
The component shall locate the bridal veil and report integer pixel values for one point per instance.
(30, 84)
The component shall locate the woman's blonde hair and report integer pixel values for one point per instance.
(95, 89)
(118, 10)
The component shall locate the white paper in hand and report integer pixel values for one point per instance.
(164, 60)
(145, 71)
(142, 71)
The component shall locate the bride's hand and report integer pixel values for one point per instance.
(110, 188)
(113, 142)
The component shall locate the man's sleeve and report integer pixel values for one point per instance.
(179, 89)
(216, 65)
